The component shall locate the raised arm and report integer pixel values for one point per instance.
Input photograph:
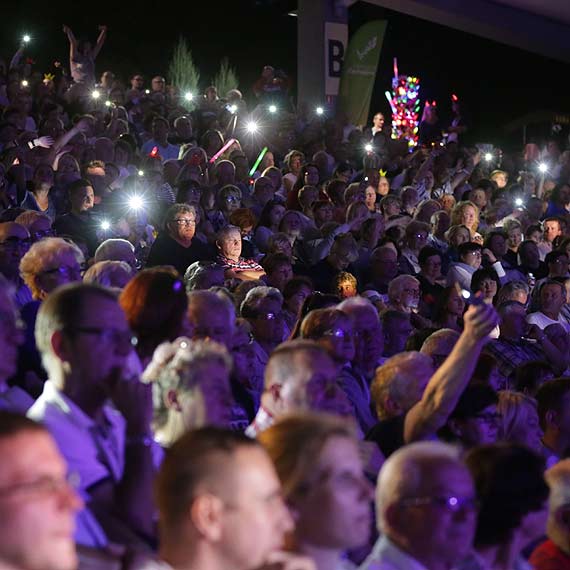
(450, 380)
(100, 40)
(72, 42)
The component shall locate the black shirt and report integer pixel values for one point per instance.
(167, 251)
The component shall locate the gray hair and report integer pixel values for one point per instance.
(255, 297)
(109, 249)
(398, 283)
(107, 273)
(402, 473)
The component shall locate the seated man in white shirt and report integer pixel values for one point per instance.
(426, 510)
(221, 506)
(551, 298)
(85, 341)
(37, 502)
(160, 132)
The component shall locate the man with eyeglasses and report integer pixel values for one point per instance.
(37, 500)
(177, 245)
(426, 510)
(299, 376)
(86, 347)
(14, 243)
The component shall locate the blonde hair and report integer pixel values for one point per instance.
(295, 443)
(514, 408)
(456, 215)
(42, 254)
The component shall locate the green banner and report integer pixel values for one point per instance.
(359, 70)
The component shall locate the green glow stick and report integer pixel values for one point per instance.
(259, 159)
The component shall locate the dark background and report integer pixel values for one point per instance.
(496, 83)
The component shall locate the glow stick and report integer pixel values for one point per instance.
(222, 150)
(259, 159)
(396, 68)
(389, 97)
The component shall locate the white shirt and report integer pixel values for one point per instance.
(542, 321)
(387, 556)
(95, 452)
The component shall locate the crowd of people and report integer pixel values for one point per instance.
(228, 333)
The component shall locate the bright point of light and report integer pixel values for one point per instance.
(542, 167)
(95, 94)
(252, 127)
(141, 172)
(25, 83)
(465, 294)
(26, 38)
(147, 91)
(272, 109)
(368, 147)
(519, 202)
(188, 96)
(108, 104)
(488, 157)
(232, 109)
(136, 203)
(319, 110)
(105, 225)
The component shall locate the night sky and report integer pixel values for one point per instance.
(496, 82)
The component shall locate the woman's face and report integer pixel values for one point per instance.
(455, 304)
(370, 198)
(515, 238)
(383, 186)
(461, 236)
(468, 217)
(335, 509)
(295, 302)
(339, 341)
(311, 176)
(231, 202)
(432, 267)
(489, 288)
(295, 164)
(529, 432)
(473, 258)
(43, 175)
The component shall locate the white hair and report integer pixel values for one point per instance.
(109, 249)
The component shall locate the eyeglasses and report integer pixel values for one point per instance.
(65, 271)
(488, 418)
(414, 292)
(337, 333)
(115, 336)
(450, 503)
(185, 222)
(270, 316)
(474, 253)
(232, 199)
(44, 485)
(37, 236)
